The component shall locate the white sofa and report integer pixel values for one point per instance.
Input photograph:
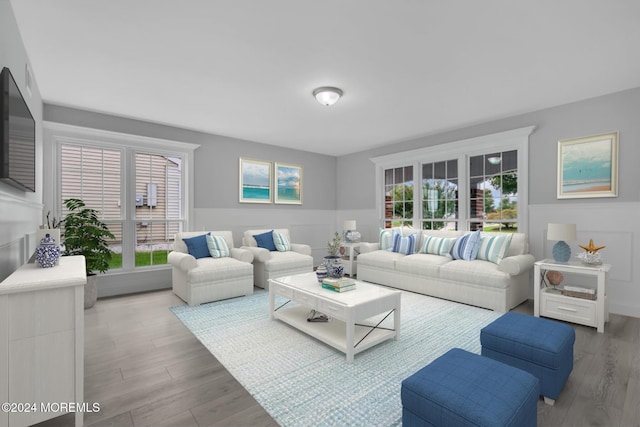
(269, 264)
(498, 287)
(208, 279)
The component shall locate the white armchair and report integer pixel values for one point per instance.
(200, 280)
(269, 264)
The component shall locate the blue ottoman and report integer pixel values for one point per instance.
(541, 347)
(464, 389)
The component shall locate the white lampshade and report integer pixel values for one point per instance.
(349, 225)
(327, 95)
(561, 232)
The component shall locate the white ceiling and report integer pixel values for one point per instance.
(408, 68)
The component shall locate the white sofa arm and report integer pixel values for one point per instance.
(301, 248)
(516, 264)
(259, 254)
(182, 261)
(369, 247)
(243, 255)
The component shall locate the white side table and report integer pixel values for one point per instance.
(550, 303)
(350, 256)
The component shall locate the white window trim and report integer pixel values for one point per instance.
(56, 134)
(516, 139)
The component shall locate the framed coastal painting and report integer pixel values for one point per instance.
(255, 181)
(588, 167)
(288, 184)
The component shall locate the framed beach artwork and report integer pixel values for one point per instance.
(255, 181)
(288, 186)
(588, 167)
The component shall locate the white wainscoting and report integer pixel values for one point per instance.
(615, 225)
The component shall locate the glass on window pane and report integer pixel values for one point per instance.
(408, 174)
(476, 166)
(510, 160)
(439, 170)
(388, 178)
(115, 245)
(154, 240)
(452, 169)
(398, 175)
(427, 171)
(426, 211)
(476, 208)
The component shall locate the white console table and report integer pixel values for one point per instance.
(42, 341)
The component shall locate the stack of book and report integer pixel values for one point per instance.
(342, 284)
(579, 292)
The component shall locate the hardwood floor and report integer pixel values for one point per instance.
(145, 368)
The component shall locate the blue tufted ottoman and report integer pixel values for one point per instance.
(541, 347)
(464, 389)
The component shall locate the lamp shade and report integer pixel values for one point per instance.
(327, 95)
(561, 232)
(349, 225)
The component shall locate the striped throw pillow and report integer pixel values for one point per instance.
(386, 237)
(404, 245)
(218, 246)
(437, 245)
(494, 248)
(281, 242)
(467, 246)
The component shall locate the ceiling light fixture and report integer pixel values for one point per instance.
(327, 95)
(494, 160)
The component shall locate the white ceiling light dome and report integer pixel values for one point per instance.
(327, 95)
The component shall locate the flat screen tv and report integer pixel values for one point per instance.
(18, 133)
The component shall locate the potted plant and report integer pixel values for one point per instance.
(84, 234)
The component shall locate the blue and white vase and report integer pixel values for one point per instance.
(335, 268)
(321, 272)
(48, 252)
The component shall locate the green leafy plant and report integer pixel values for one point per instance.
(84, 234)
(333, 245)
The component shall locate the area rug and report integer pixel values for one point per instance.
(302, 382)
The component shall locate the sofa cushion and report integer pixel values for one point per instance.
(421, 264)
(281, 242)
(380, 259)
(197, 246)
(437, 245)
(217, 246)
(283, 261)
(494, 247)
(404, 244)
(476, 272)
(467, 246)
(265, 240)
(218, 269)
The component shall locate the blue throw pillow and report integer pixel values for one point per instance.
(265, 240)
(197, 246)
(404, 245)
(467, 246)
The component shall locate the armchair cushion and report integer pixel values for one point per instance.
(217, 246)
(281, 242)
(197, 246)
(265, 240)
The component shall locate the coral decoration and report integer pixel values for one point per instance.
(592, 249)
(555, 277)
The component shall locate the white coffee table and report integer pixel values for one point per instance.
(351, 330)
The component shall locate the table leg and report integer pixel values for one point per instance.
(271, 302)
(396, 318)
(350, 324)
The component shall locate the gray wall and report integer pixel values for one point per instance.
(609, 221)
(20, 212)
(619, 111)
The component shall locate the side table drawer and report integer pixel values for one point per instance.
(570, 309)
(334, 310)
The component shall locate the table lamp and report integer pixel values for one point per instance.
(350, 233)
(561, 232)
